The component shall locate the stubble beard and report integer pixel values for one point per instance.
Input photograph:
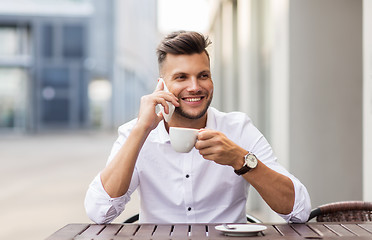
(184, 114)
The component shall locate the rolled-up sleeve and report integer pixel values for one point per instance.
(100, 207)
(262, 149)
(302, 206)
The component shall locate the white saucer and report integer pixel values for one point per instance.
(241, 229)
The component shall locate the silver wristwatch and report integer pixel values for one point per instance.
(250, 162)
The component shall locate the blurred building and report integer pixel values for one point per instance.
(296, 67)
(43, 79)
(71, 64)
(135, 63)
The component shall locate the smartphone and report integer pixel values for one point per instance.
(168, 116)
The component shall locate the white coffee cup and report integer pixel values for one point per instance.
(183, 139)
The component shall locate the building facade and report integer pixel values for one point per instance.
(296, 68)
(75, 64)
(43, 80)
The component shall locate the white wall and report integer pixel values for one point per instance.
(279, 78)
(228, 61)
(367, 100)
(326, 83)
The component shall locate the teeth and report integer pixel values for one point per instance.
(192, 99)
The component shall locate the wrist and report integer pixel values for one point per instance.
(239, 160)
(146, 125)
(141, 129)
(250, 162)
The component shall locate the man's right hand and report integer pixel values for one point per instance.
(117, 175)
(147, 116)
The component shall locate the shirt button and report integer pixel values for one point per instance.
(187, 176)
(189, 209)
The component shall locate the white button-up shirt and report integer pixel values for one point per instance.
(186, 188)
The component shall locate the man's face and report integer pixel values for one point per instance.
(188, 77)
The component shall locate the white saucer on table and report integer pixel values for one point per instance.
(241, 229)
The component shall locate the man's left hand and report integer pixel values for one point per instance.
(214, 145)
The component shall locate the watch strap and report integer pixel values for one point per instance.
(242, 170)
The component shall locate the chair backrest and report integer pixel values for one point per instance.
(132, 219)
(348, 211)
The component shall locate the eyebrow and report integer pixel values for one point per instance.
(205, 71)
(184, 73)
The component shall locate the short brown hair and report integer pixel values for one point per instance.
(182, 42)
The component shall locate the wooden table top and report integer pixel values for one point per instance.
(314, 230)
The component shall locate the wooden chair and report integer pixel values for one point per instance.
(250, 219)
(348, 211)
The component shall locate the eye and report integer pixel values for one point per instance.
(180, 77)
(205, 76)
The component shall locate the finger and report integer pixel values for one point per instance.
(169, 97)
(201, 144)
(210, 157)
(206, 151)
(164, 104)
(174, 101)
(206, 134)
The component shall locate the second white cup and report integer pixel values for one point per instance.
(183, 139)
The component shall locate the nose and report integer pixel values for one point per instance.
(194, 85)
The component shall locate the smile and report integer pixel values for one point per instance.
(194, 99)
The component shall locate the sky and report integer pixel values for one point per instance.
(183, 15)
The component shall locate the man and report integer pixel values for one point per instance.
(207, 185)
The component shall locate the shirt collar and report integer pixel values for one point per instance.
(161, 135)
(211, 118)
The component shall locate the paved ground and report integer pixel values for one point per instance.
(43, 180)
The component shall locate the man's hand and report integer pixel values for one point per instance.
(276, 189)
(215, 146)
(147, 116)
(116, 176)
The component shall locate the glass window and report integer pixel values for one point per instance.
(14, 41)
(47, 41)
(73, 46)
(57, 77)
(83, 96)
(12, 97)
(9, 42)
(56, 111)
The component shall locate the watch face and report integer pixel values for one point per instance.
(251, 161)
